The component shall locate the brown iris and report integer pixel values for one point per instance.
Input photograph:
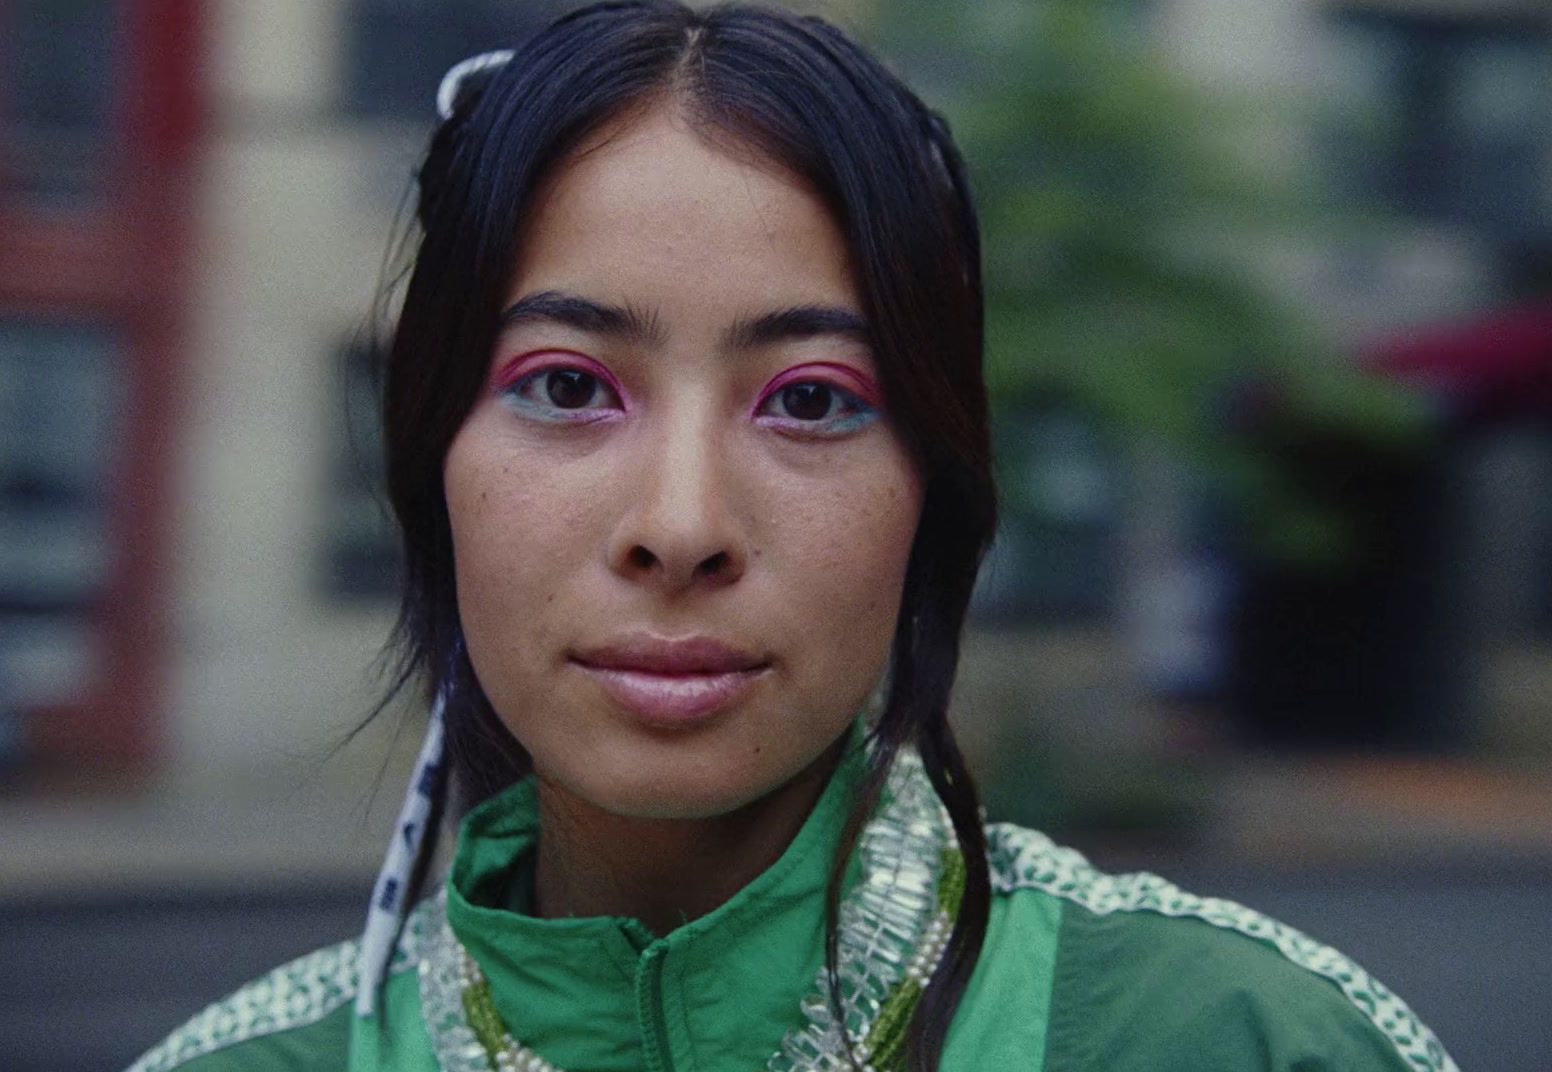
(806, 401)
(570, 388)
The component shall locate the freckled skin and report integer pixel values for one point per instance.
(549, 520)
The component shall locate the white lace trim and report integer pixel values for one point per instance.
(1027, 859)
(294, 995)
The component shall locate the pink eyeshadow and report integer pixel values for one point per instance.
(857, 382)
(537, 360)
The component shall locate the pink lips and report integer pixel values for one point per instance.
(672, 682)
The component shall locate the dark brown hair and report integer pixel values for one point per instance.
(801, 93)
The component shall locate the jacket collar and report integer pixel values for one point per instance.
(725, 990)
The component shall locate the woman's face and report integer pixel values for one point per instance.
(680, 515)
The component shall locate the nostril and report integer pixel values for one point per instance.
(715, 564)
(641, 558)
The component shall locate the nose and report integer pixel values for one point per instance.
(679, 527)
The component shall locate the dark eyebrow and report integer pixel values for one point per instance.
(601, 318)
(798, 322)
(584, 314)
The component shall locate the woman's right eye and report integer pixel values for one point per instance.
(562, 393)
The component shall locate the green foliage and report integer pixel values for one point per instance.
(1117, 213)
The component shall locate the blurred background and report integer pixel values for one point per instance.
(1270, 297)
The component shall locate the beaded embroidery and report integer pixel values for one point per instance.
(891, 931)
(1027, 859)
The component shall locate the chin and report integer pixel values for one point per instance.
(675, 796)
(677, 783)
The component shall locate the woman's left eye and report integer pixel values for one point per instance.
(816, 407)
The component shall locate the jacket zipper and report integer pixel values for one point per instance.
(649, 1010)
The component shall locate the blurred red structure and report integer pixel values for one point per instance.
(120, 258)
(1494, 368)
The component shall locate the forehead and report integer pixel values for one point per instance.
(648, 211)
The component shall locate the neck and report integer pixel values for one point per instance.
(663, 872)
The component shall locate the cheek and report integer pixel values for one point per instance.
(847, 553)
(509, 500)
(862, 527)
(514, 532)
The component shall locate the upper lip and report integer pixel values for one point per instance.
(645, 653)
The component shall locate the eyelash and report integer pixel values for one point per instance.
(511, 389)
(857, 411)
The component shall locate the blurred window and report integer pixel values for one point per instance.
(60, 404)
(57, 70)
(1448, 119)
(1508, 471)
(99, 103)
(360, 549)
(398, 50)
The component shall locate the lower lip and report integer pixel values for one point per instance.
(673, 699)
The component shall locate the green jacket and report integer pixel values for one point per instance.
(1080, 970)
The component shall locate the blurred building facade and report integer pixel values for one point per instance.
(1432, 117)
(99, 129)
(259, 562)
(197, 573)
